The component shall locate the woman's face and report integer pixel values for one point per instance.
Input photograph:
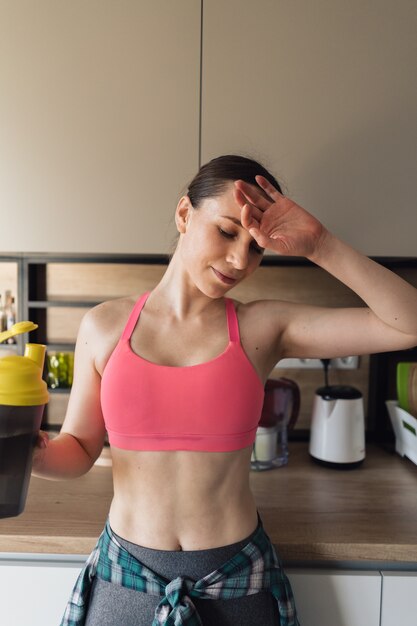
(216, 250)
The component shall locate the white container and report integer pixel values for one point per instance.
(405, 429)
(337, 434)
(270, 448)
(265, 448)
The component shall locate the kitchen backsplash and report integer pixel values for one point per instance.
(301, 284)
(97, 282)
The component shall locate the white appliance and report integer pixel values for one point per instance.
(337, 436)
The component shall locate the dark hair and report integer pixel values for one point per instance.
(213, 177)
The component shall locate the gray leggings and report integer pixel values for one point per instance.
(114, 605)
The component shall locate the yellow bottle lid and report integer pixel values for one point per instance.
(21, 381)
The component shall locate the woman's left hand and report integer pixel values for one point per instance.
(276, 222)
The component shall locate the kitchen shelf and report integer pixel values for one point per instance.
(44, 304)
(60, 347)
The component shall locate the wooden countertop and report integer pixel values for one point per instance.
(310, 512)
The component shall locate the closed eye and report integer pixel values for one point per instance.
(225, 234)
(254, 246)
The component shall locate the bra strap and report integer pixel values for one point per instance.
(232, 321)
(133, 317)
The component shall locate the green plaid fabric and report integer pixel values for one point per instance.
(255, 568)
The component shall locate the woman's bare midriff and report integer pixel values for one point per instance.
(182, 500)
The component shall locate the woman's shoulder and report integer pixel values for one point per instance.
(110, 314)
(103, 324)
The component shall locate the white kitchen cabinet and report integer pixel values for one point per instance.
(35, 591)
(336, 598)
(325, 95)
(99, 122)
(399, 593)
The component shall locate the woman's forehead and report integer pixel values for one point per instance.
(226, 203)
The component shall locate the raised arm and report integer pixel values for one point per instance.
(388, 322)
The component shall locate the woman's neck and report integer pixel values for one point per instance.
(177, 292)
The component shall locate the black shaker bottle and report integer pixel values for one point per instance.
(23, 395)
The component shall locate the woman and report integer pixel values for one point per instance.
(180, 393)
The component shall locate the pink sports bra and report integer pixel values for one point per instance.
(213, 406)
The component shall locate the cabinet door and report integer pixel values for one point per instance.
(327, 101)
(35, 593)
(399, 592)
(99, 122)
(336, 598)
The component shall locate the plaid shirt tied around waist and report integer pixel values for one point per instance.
(255, 568)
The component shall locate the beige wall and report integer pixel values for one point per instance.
(98, 122)
(100, 115)
(326, 94)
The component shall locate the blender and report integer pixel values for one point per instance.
(279, 415)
